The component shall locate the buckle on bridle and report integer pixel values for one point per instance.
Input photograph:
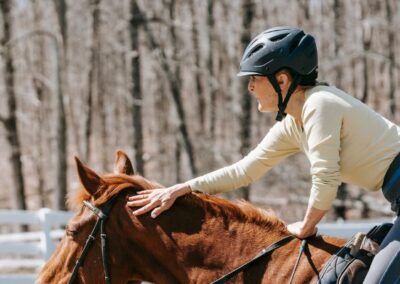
(94, 209)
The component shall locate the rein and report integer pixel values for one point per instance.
(261, 254)
(102, 214)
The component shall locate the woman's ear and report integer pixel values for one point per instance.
(284, 80)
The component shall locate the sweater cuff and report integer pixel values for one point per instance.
(195, 185)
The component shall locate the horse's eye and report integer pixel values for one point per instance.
(71, 231)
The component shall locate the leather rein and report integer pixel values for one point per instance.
(102, 214)
(263, 253)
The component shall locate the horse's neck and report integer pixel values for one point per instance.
(217, 243)
(209, 246)
(198, 244)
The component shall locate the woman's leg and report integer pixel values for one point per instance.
(385, 267)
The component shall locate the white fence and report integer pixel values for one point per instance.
(346, 230)
(30, 250)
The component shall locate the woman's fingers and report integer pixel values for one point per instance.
(156, 200)
(163, 207)
(147, 191)
(137, 197)
(137, 203)
(145, 208)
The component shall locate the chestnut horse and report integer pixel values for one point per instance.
(197, 240)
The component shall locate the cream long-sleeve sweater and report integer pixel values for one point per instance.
(343, 139)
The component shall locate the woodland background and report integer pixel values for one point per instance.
(157, 79)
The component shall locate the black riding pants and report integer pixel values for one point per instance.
(385, 267)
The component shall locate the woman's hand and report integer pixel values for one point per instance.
(299, 230)
(157, 200)
(307, 227)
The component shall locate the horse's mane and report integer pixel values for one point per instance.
(239, 210)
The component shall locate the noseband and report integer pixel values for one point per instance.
(102, 214)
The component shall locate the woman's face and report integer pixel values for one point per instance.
(261, 88)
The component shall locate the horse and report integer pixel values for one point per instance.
(198, 240)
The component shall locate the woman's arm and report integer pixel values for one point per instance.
(322, 120)
(275, 146)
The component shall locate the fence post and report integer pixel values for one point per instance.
(46, 243)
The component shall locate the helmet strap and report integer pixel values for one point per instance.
(282, 103)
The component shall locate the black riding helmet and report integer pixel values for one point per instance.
(276, 49)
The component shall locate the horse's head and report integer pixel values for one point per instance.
(121, 228)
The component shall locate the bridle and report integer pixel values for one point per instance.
(102, 214)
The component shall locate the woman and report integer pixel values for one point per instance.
(343, 139)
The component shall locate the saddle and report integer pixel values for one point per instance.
(350, 264)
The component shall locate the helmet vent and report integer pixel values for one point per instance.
(255, 49)
(295, 42)
(278, 37)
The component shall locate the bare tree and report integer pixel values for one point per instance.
(210, 66)
(338, 9)
(61, 166)
(176, 70)
(366, 44)
(61, 8)
(392, 57)
(93, 76)
(137, 98)
(41, 93)
(201, 104)
(10, 122)
(176, 96)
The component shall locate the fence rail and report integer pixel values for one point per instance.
(29, 250)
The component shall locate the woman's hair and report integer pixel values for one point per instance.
(309, 80)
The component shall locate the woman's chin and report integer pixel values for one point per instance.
(263, 109)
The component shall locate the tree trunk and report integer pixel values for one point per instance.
(178, 156)
(338, 10)
(93, 79)
(10, 122)
(246, 106)
(176, 96)
(61, 8)
(137, 97)
(392, 57)
(40, 112)
(366, 38)
(176, 70)
(61, 166)
(197, 67)
(210, 64)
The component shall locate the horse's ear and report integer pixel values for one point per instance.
(89, 179)
(123, 164)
